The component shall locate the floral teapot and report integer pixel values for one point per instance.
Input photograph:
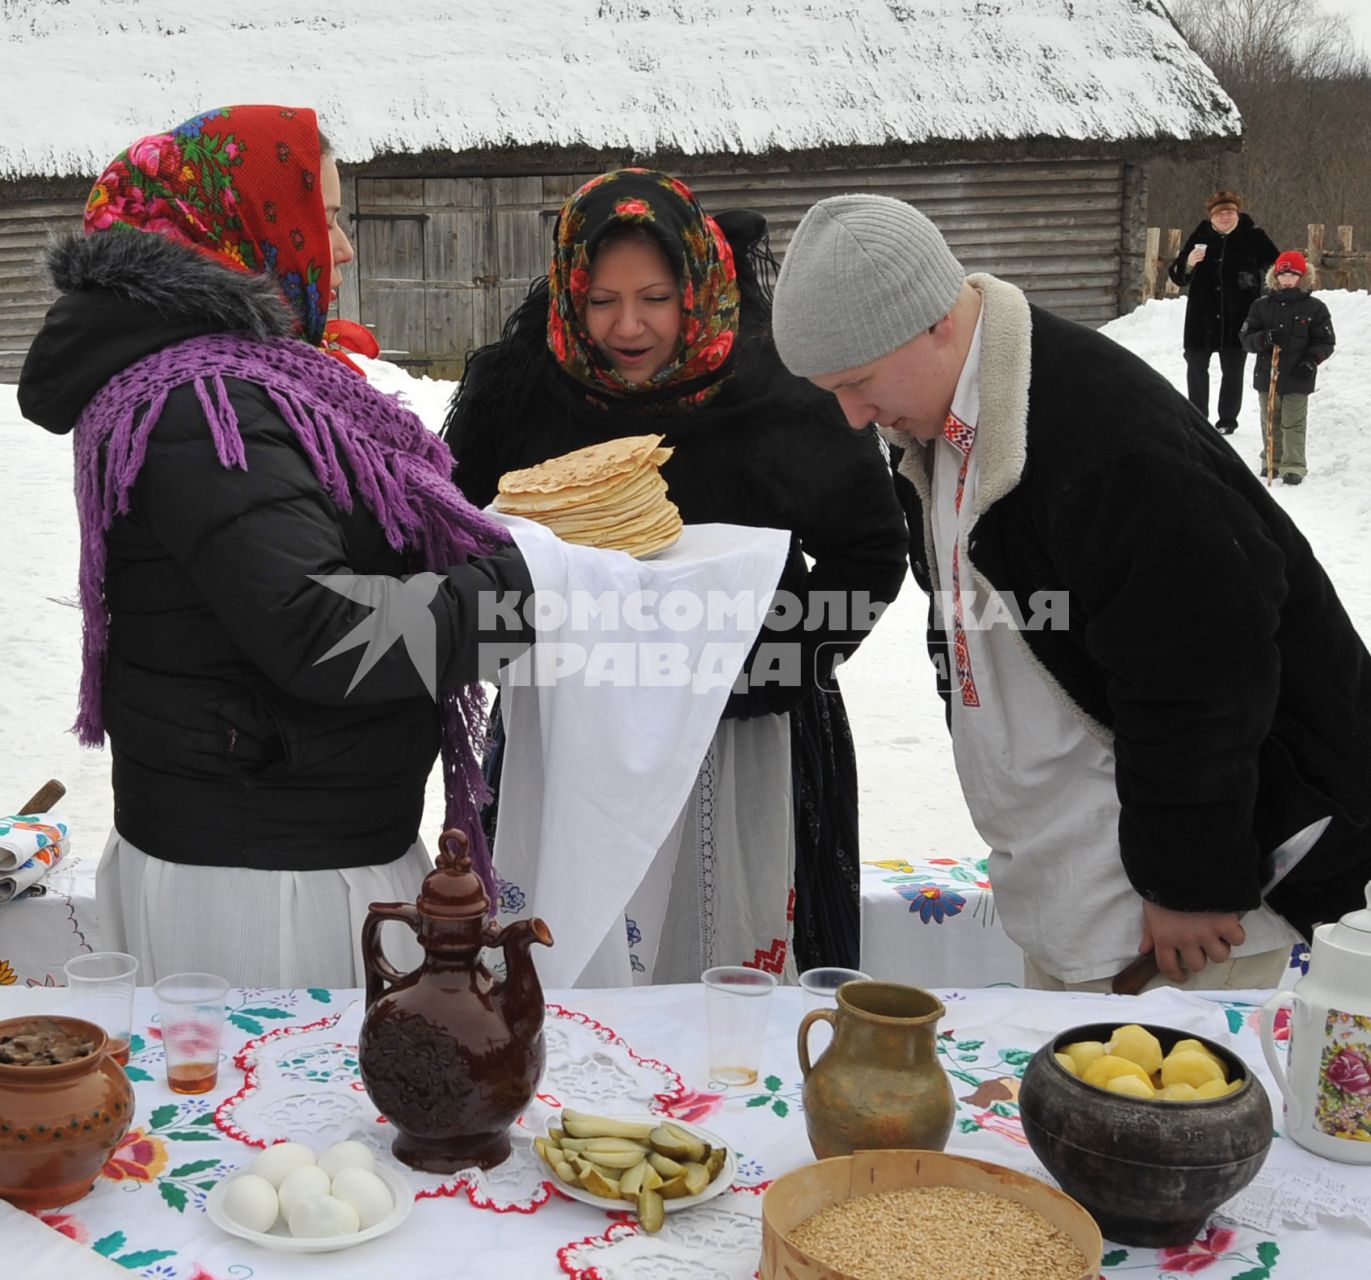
(1327, 1084)
(450, 1055)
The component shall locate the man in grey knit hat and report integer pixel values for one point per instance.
(1144, 664)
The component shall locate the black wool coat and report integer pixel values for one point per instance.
(1303, 330)
(232, 743)
(1204, 638)
(1224, 284)
(768, 450)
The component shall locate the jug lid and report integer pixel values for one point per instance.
(1353, 931)
(452, 890)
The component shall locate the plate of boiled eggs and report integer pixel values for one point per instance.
(292, 1200)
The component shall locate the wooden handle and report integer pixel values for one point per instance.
(45, 797)
(1132, 979)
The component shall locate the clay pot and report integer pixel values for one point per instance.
(60, 1123)
(1149, 1172)
(879, 1084)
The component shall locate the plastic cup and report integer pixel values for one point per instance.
(100, 988)
(192, 1009)
(736, 1003)
(820, 988)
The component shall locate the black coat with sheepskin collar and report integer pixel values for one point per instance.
(1205, 640)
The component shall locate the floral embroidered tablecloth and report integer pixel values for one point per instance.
(38, 934)
(931, 922)
(289, 1071)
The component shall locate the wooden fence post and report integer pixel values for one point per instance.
(1150, 263)
(1346, 268)
(1173, 248)
(1314, 253)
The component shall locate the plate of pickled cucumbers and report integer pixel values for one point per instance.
(652, 1164)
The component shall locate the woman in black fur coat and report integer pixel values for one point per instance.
(1223, 263)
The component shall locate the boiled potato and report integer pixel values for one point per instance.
(1083, 1053)
(1104, 1069)
(1198, 1046)
(1193, 1068)
(1177, 1093)
(1137, 1044)
(1131, 1086)
(1131, 1063)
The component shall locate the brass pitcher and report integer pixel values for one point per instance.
(879, 1084)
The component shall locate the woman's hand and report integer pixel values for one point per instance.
(1196, 256)
(1185, 941)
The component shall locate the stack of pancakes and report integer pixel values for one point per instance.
(605, 495)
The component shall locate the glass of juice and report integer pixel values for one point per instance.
(192, 1016)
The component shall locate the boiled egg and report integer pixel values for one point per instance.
(347, 1155)
(323, 1216)
(275, 1163)
(251, 1202)
(366, 1193)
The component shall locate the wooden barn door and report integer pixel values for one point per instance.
(441, 262)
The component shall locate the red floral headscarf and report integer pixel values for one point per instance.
(700, 256)
(240, 185)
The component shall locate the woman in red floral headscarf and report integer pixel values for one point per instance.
(246, 500)
(656, 317)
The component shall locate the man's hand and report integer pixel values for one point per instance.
(1185, 941)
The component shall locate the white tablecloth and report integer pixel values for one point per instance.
(38, 934)
(931, 922)
(647, 1047)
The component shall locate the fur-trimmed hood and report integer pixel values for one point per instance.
(126, 294)
(1306, 280)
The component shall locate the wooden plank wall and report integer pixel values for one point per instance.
(443, 261)
(1054, 229)
(25, 294)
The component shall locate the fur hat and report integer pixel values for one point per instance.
(1290, 260)
(1221, 198)
(862, 275)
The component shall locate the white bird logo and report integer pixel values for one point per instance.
(401, 613)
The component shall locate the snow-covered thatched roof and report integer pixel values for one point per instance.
(79, 79)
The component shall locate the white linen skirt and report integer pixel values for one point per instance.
(719, 890)
(253, 928)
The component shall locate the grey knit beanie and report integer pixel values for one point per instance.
(862, 276)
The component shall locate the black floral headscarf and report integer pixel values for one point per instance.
(700, 257)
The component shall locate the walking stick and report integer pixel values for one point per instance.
(1271, 416)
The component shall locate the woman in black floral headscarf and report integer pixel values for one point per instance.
(655, 317)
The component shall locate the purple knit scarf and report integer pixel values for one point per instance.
(401, 471)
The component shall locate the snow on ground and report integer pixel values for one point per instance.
(911, 803)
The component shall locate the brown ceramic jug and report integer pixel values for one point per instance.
(448, 1054)
(59, 1123)
(879, 1084)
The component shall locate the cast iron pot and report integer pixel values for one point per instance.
(1149, 1172)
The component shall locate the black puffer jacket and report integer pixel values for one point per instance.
(1224, 283)
(1304, 334)
(231, 747)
